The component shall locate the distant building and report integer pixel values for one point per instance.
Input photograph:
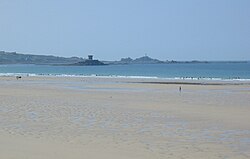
(88, 62)
(90, 57)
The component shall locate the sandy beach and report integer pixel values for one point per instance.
(92, 117)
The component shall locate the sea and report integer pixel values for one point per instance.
(195, 71)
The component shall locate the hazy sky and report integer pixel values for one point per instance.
(111, 29)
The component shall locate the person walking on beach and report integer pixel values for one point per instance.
(180, 89)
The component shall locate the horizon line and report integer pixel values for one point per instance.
(145, 55)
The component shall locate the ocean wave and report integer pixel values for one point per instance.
(123, 76)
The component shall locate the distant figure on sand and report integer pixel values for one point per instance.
(18, 77)
(180, 89)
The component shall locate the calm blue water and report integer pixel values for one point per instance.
(213, 70)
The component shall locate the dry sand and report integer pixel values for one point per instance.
(50, 117)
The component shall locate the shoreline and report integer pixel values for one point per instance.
(198, 83)
(136, 79)
(181, 78)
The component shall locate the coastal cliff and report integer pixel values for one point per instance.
(16, 58)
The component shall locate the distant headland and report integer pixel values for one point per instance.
(18, 58)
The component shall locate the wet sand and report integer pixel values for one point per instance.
(52, 117)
